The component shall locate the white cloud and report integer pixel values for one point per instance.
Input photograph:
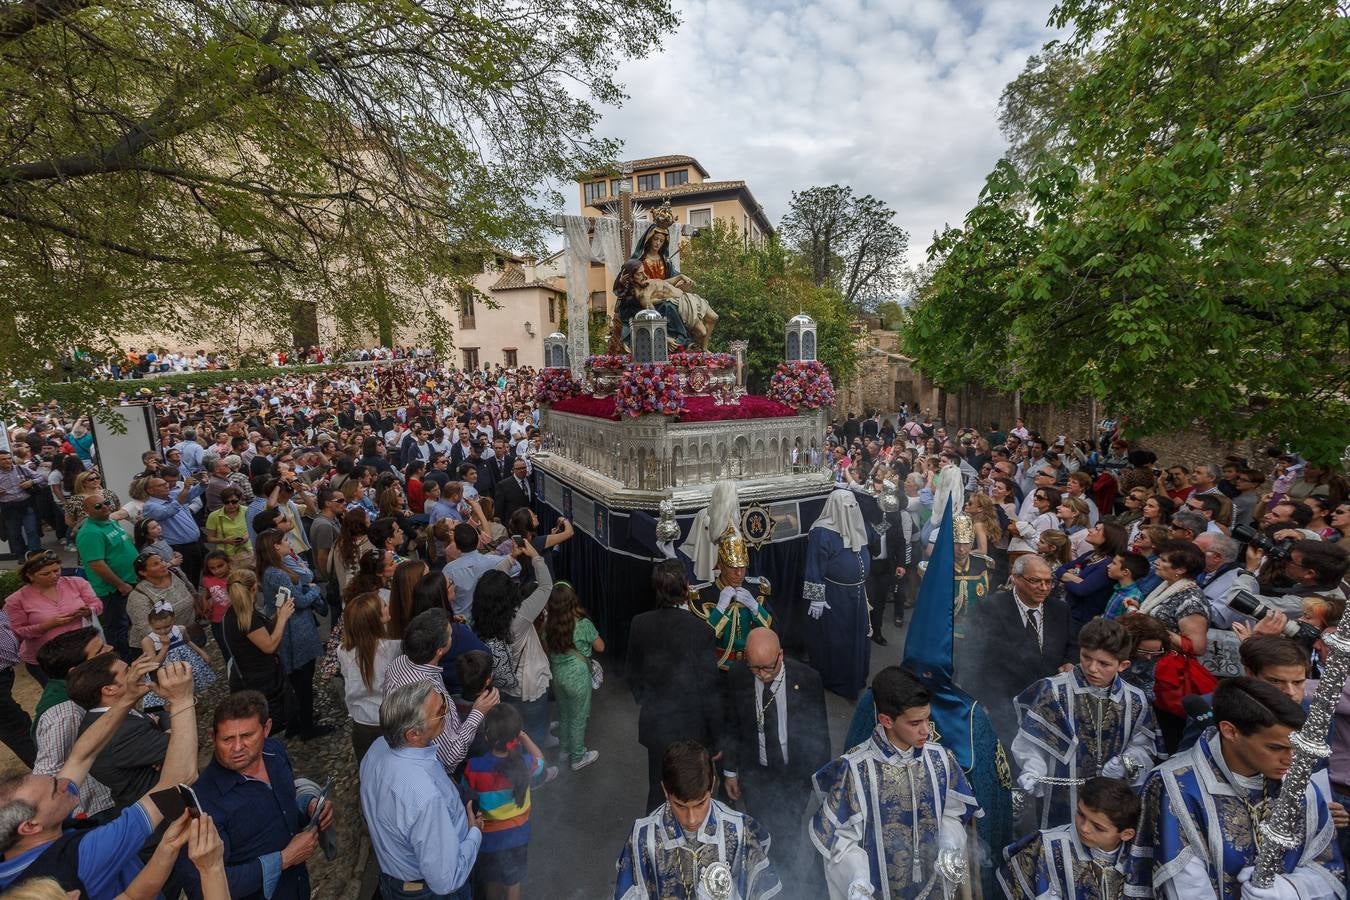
(899, 100)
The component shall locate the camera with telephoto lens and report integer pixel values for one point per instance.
(1254, 537)
(1250, 605)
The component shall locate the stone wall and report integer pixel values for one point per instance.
(886, 378)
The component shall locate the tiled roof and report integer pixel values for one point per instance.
(654, 162)
(513, 279)
(650, 162)
(694, 190)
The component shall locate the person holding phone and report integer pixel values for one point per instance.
(249, 790)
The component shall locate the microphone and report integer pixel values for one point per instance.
(1198, 710)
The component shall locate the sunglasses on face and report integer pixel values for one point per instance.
(102, 504)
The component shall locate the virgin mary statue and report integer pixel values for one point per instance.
(650, 280)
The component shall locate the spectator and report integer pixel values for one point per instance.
(351, 545)
(570, 638)
(101, 861)
(325, 531)
(158, 584)
(507, 624)
(87, 484)
(1072, 513)
(425, 644)
(1087, 586)
(499, 779)
(250, 791)
(150, 536)
(226, 528)
(48, 605)
(425, 838)
(363, 658)
(129, 763)
(57, 717)
(401, 589)
(300, 644)
(180, 529)
(253, 639)
(109, 558)
(18, 482)
(465, 571)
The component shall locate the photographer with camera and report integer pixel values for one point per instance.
(1288, 573)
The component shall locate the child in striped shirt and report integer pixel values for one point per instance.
(500, 781)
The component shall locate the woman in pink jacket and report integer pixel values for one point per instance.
(48, 604)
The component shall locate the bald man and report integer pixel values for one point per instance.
(109, 557)
(776, 737)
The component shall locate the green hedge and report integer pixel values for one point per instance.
(79, 391)
(9, 583)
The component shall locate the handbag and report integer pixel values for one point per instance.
(1177, 676)
(597, 671)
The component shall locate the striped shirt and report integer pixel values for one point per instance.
(9, 643)
(506, 823)
(55, 736)
(453, 743)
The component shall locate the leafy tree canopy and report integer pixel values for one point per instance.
(1178, 249)
(183, 165)
(849, 243)
(755, 290)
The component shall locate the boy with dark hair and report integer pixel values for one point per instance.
(1084, 722)
(1083, 861)
(894, 809)
(1217, 794)
(692, 840)
(1126, 570)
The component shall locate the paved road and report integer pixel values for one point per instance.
(582, 819)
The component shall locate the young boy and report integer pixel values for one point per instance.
(1083, 861)
(894, 809)
(1125, 569)
(1084, 722)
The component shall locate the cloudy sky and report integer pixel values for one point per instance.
(897, 98)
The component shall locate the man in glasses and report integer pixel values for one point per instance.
(1013, 639)
(18, 485)
(777, 736)
(109, 556)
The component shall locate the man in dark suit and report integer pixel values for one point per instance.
(776, 737)
(672, 671)
(495, 469)
(1014, 638)
(514, 493)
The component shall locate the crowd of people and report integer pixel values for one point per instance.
(380, 529)
(153, 361)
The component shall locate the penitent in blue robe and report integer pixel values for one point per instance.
(1196, 811)
(1054, 863)
(838, 640)
(661, 862)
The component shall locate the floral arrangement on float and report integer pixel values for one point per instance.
(608, 361)
(650, 388)
(702, 359)
(553, 385)
(805, 385)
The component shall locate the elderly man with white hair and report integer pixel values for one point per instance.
(837, 565)
(425, 838)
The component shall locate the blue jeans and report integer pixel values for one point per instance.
(392, 889)
(534, 717)
(21, 528)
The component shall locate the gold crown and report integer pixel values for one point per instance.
(963, 529)
(663, 215)
(731, 549)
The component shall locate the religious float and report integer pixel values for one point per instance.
(638, 437)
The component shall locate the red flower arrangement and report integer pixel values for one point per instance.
(553, 385)
(608, 361)
(694, 359)
(651, 388)
(802, 384)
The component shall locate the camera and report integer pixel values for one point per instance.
(1257, 538)
(1250, 605)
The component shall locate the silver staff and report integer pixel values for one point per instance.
(1282, 830)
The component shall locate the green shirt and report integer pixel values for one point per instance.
(108, 541)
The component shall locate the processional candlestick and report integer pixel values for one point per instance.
(1282, 830)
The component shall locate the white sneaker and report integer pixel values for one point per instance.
(587, 758)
